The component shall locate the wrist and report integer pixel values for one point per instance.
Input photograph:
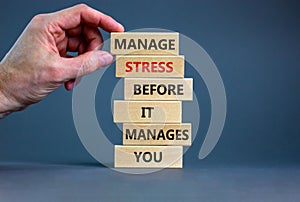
(6, 104)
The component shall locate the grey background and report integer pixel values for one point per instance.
(254, 44)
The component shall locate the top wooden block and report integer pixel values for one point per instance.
(144, 43)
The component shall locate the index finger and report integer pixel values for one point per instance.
(76, 15)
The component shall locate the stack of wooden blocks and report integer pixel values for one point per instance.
(154, 88)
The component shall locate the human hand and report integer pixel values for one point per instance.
(38, 63)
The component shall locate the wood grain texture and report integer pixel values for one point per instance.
(158, 89)
(156, 43)
(150, 66)
(161, 111)
(148, 156)
(157, 134)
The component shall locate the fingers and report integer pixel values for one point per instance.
(84, 36)
(73, 17)
(76, 31)
(69, 85)
(90, 39)
(84, 64)
(77, 44)
(93, 37)
(81, 24)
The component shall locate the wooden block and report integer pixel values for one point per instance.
(150, 66)
(147, 111)
(157, 134)
(158, 89)
(144, 43)
(148, 156)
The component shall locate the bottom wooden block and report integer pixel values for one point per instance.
(148, 156)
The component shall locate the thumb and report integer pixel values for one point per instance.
(86, 63)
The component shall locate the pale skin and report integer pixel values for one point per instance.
(38, 63)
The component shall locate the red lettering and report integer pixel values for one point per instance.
(149, 67)
(153, 66)
(161, 67)
(169, 67)
(136, 66)
(145, 67)
(128, 67)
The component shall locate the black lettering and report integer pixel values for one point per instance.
(185, 134)
(140, 43)
(161, 89)
(180, 89)
(152, 45)
(149, 159)
(178, 134)
(151, 134)
(149, 109)
(160, 157)
(161, 135)
(137, 156)
(142, 135)
(130, 135)
(170, 134)
(172, 44)
(131, 44)
(162, 44)
(171, 90)
(137, 89)
(143, 112)
(119, 45)
(145, 89)
(152, 88)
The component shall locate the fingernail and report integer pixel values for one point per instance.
(122, 27)
(72, 85)
(69, 85)
(106, 59)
